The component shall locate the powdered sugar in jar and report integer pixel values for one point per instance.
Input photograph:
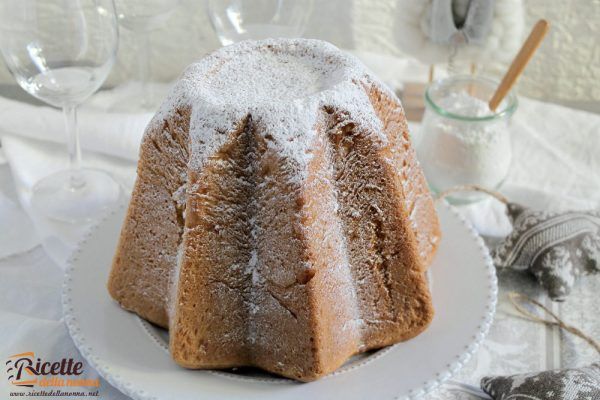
(463, 142)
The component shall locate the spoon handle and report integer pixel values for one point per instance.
(517, 66)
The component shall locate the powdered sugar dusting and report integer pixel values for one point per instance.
(269, 76)
(281, 84)
(267, 120)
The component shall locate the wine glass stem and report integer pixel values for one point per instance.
(74, 147)
(144, 65)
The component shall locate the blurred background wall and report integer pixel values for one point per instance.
(566, 69)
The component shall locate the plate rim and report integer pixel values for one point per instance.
(130, 389)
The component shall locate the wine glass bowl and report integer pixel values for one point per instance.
(53, 52)
(237, 20)
(144, 15)
(141, 17)
(61, 52)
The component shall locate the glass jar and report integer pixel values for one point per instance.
(463, 142)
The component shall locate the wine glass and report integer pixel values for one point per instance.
(61, 52)
(236, 20)
(141, 17)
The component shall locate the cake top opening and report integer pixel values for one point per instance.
(284, 86)
(273, 71)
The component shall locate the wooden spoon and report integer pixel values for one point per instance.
(517, 66)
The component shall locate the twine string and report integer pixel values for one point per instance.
(518, 299)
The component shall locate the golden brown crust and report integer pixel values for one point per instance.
(249, 266)
(393, 295)
(147, 248)
(416, 195)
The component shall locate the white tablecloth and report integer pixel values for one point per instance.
(556, 164)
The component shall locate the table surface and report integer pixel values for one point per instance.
(557, 174)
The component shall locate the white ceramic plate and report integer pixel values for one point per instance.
(132, 354)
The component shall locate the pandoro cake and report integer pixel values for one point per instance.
(279, 218)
